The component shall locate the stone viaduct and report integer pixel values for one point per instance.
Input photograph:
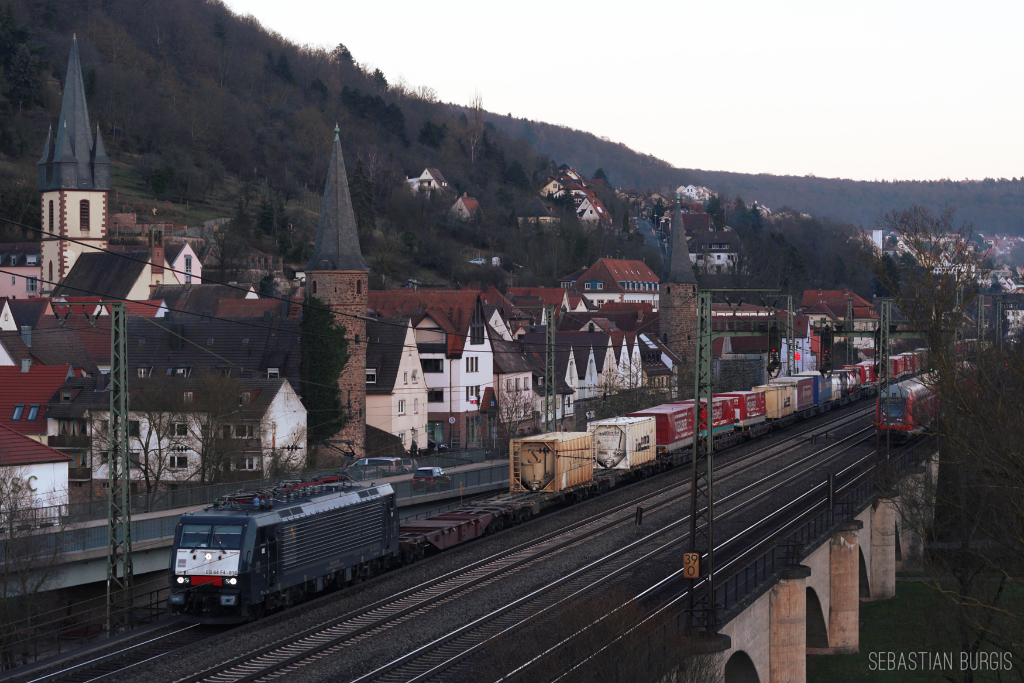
(814, 607)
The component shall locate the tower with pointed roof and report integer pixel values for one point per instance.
(338, 275)
(74, 180)
(677, 299)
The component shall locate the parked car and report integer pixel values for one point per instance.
(430, 477)
(435, 446)
(479, 262)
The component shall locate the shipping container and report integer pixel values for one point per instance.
(837, 381)
(551, 462)
(750, 407)
(673, 425)
(621, 443)
(822, 386)
(804, 390)
(722, 415)
(778, 400)
(850, 378)
(869, 375)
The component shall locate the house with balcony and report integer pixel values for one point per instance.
(396, 391)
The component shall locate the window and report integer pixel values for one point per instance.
(243, 431)
(143, 372)
(517, 384)
(587, 285)
(472, 393)
(188, 269)
(51, 272)
(133, 427)
(432, 365)
(401, 407)
(314, 286)
(65, 396)
(405, 377)
(32, 284)
(189, 397)
(415, 406)
(508, 384)
(245, 399)
(371, 376)
(473, 364)
(33, 413)
(476, 334)
(50, 221)
(19, 410)
(359, 286)
(180, 429)
(273, 373)
(435, 396)
(83, 215)
(177, 462)
(415, 377)
(401, 435)
(600, 285)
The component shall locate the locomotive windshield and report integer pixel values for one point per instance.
(228, 537)
(896, 411)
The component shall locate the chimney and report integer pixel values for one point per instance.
(26, 363)
(26, 335)
(156, 251)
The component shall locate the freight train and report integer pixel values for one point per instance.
(258, 551)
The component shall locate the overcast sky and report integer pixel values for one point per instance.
(866, 90)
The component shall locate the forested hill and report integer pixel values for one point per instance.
(993, 205)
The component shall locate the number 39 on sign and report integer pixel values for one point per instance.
(691, 565)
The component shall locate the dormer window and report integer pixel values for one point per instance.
(371, 376)
(65, 396)
(245, 398)
(189, 397)
(273, 373)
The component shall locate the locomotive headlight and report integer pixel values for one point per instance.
(181, 579)
(232, 581)
(209, 556)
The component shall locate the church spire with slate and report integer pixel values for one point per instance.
(337, 238)
(74, 160)
(338, 277)
(677, 297)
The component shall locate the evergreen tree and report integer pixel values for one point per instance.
(717, 211)
(361, 189)
(324, 355)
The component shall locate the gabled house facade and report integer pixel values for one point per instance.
(618, 280)
(396, 390)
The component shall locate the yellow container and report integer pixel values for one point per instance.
(551, 462)
(780, 400)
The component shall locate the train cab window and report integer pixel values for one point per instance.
(227, 537)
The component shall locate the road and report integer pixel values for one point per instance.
(650, 237)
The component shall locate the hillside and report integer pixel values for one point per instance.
(993, 205)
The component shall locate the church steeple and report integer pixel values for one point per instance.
(677, 258)
(337, 239)
(75, 160)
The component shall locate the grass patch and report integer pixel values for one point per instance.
(917, 620)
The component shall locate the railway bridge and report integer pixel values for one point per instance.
(812, 606)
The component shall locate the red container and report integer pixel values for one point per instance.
(749, 406)
(722, 415)
(868, 374)
(673, 425)
(804, 390)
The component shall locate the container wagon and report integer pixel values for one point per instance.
(553, 462)
(804, 392)
(623, 443)
(673, 426)
(750, 411)
(780, 404)
(722, 417)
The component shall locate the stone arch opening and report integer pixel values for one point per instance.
(740, 669)
(865, 587)
(817, 631)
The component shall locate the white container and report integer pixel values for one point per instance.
(621, 443)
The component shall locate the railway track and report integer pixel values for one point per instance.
(286, 656)
(441, 655)
(406, 603)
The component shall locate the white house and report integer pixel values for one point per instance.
(396, 390)
(33, 474)
(184, 263)
(431, 179)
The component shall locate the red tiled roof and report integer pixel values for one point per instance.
(35, 387)
(451, 309)
(551, 296)
(253, 308)
(835, 299)
(627, 306)
(17, 449)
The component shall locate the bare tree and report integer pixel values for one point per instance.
(476, 125)
(30, 550)
(968, 521)
(514, 409)
(158, 431)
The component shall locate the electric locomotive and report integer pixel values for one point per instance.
(233, 561)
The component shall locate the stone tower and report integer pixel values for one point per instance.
(677, 299)
(338, 275)
(74, 179)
